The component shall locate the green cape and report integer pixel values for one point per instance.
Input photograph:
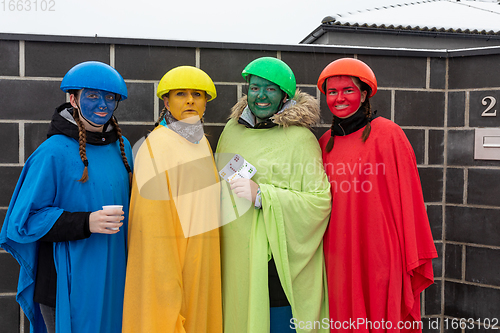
(289, 227)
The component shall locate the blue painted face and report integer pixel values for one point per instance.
(97, 106)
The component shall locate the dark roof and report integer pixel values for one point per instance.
(438, 16)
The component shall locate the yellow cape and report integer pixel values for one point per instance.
(173, 281)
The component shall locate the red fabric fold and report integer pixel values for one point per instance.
(378, 245)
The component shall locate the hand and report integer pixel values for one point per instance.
(102, 221)
(245, 188)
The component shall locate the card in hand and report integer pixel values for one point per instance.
(236, 168)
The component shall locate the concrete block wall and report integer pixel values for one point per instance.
(433, 96)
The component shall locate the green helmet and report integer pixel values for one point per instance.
(274, 70)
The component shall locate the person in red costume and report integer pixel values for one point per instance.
(378, 245)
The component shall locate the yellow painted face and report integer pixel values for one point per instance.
(186, 103)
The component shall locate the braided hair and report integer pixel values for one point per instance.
(82, 141)
(366, 106)
(122, 148)
(160, 118)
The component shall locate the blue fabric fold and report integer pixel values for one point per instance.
(90, 272)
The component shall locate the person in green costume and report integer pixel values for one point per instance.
(273, 276)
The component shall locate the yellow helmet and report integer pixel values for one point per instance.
(186, 77)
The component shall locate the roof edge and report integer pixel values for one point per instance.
(318, 48)
(324, 28)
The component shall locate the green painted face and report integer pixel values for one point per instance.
(264, 97)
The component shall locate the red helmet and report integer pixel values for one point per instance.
(350, 67)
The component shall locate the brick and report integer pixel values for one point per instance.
(402, 72)
(49, 59)
(436, 147)
(432, 184)
(225, 65)
(456, 109)
(151, 62)
(34, 135)
(139, 106)
(308, 66)
(417, 141)
(455, 186)
(438, 73)
(474, 72)
(419, 108)
(8, 181)
(460, 147)
(3, 213)
(437, 263)
(9, 143)
(484, 187)
(453, 262)
(381, 103)
(44, 97)
(435, 214)
(219, 109)
(9, 273)
(469, 301)
(472, 225)
(9, 316)
(9, 58)
(309, 90)
(325, 113)
(433, 299)
(481, 265)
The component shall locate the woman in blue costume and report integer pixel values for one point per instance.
(72, 253)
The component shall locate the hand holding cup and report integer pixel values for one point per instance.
(106, 221)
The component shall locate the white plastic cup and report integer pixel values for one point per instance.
(112, 207)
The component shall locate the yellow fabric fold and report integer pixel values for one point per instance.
(173, 270)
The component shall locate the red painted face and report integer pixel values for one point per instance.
(343, 96)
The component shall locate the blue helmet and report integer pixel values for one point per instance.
(94, 75)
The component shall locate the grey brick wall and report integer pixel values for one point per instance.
(434, 97)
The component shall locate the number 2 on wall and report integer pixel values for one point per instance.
(493, 102)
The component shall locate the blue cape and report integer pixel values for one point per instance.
(90, 272)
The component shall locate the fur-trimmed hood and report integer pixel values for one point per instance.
(305, 112)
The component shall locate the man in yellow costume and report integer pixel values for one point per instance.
(173, 282)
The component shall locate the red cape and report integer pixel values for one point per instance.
(378, 245)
